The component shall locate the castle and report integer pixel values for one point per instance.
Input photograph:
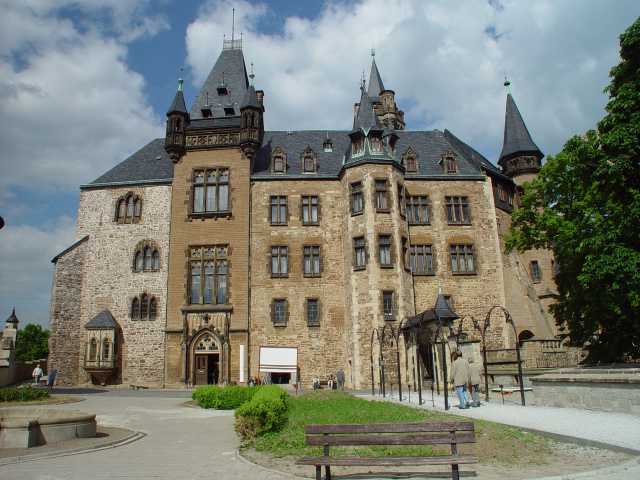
(223, 251)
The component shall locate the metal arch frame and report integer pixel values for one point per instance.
(483, 330)
(382, 334)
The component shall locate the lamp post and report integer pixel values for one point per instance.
(444, 317)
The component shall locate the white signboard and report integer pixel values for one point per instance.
(278, 359)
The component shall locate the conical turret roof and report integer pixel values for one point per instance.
(375, 81)
(178, 104)
(516, 135)
(12, 318)
(366, 119)
(443, 310)
(250, 98)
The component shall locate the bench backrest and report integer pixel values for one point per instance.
(421, 433)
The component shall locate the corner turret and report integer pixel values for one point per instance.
(251, 120)
(177, 120)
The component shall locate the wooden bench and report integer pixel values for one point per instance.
(423, 433)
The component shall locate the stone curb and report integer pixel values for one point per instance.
(132, 437)
(263, 468)
(620, 471)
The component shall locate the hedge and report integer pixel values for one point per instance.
(24, 394)
(223, 398)
(266, 412)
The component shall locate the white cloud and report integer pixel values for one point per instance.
(445, 60)
(26, 273)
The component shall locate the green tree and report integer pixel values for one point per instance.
(585, 205)
(32, 343)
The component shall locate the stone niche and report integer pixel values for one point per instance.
(100, 354)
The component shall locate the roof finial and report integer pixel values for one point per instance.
(507, 84)
(233, 23)
(206, 94)
(362, 82)
(252, 75)
(180, 81)
(373, 52)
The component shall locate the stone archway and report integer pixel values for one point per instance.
(207, 359)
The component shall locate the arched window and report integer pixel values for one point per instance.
(153, 308)
(148, 258)
(128, 209)
(135, 308)
(308, 161)
(144, 306)
(105, 349)
(138, 264)
(410, 160)
(93, 350)
(156, 260)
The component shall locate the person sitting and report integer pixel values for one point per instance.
(37, 374)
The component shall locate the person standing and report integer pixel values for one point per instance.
(37, 374)
(51, 380)
(460, 378)
(474, 381)
(340, 377)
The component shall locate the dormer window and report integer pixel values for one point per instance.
(376, 144)
(222, 90)
(410, 160)
(278, 161)
(327, 146)
(308, 161)
(358, 146)
(449, 163)
(229, 111)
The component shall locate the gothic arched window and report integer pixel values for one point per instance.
(138, 263)
(410, 160)
(449, 163)
(144, 306)
(146, 258)
(153, 308)
(308, 161)
(105, 349)
(128, 209)
(135, 308)
(156, 260)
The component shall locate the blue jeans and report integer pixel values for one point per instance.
(461, 391)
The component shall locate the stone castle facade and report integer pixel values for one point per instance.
(223, 251)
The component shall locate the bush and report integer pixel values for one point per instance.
(13, 394)
(223, 398)
(266, 412)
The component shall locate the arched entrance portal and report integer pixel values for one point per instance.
(207, 361)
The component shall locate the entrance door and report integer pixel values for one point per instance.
(207, 369)
(201, 369)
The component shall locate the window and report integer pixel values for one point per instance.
(359, 253)
(410, 161)
(93, 350)
(279, 261)
(228, 111)
(105, 349)
(462, 259)
(418, 210)
(278, 161)
(144, 307)
(357, 200)
(278, 212)
(222, 90)
(313, 312)
(376, 144)
(402, 199)
(311, 261)
(211, 191)
(310, 207)
(536, 275)
(209, 271)
(128, 209)
(382, 195)
(327, 146)
(308, 161)
(146, 259)
(421, 260)
(388, 309)
(450, 164)
(458, 211)
(384, 250)
(357, 147)
(279, 312)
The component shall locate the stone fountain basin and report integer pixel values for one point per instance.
(25, 427)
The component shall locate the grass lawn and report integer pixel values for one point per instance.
(495, 443)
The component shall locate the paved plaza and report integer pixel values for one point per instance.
(184, 443)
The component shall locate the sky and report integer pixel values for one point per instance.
(85, 83)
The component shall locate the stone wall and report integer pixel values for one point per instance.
(65, 345)
(110, 282)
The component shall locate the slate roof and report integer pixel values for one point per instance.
(229, 70)
(429, 147)
(150, 164)
(366, 119)
(69, 248)
(250, 98)
(375, 81)
(516, 135)
(178, 104)
(103, 320)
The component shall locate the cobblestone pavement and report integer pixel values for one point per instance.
(182, 443)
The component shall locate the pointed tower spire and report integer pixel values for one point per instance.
(366, 118)
(519, 152)
(178, 105)
(177, 120)
(375, 81)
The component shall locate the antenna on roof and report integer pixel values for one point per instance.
(373, 52)
(206, 94)
(233, 23)
(507, 84)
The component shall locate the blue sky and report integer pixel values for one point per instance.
(84, 83)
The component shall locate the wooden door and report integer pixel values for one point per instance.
(201, 369)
